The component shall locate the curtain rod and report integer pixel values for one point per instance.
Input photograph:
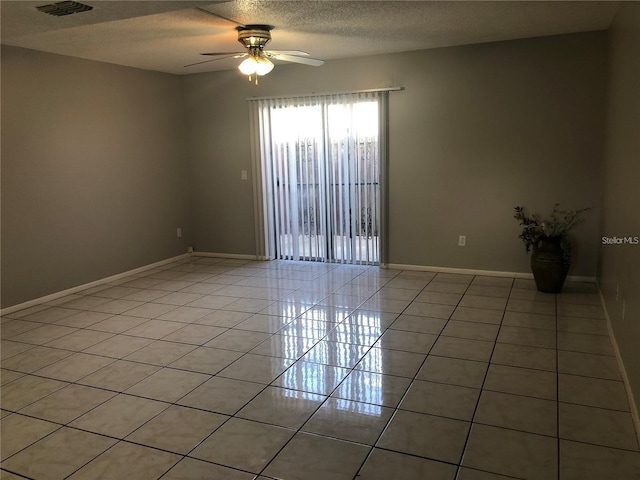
(370, 90)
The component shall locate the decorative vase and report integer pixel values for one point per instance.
(549, 264)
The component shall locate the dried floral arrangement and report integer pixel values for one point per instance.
(556, 225)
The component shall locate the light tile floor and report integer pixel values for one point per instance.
(225, 369)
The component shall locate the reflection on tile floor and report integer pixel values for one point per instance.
(226, 369)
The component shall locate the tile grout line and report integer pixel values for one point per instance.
(413, 380)
(486, 373)
(558, 456)
(328, 396)
(175, 404)
(396, 408)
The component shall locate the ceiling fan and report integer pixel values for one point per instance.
(257, 61)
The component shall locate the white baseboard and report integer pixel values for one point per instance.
(459, 271)
(635, 415)
(576, 278)
(79, 288)
(486, 273)
(236, 256)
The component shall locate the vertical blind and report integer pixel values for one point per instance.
(319, 169)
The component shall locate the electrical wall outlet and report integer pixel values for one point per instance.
(179, 232)
(243, 175)
(462, 240)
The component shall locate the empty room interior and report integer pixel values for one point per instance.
(274, 239)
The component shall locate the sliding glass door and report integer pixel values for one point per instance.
(320, 159)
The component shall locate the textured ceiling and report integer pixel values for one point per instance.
(166, 35)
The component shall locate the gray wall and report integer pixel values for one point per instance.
(620, 264)
(478, 130)
(95, 181)
(94, 172)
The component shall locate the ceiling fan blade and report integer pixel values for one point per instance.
(293, 59)
(225, 53)
(212, 60)
(287, 52)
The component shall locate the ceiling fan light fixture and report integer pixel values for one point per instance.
(255, 64)
(263, 65)
(248, 66)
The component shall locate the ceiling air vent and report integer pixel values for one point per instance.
(61, 9)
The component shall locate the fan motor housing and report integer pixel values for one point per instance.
(254, 35)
